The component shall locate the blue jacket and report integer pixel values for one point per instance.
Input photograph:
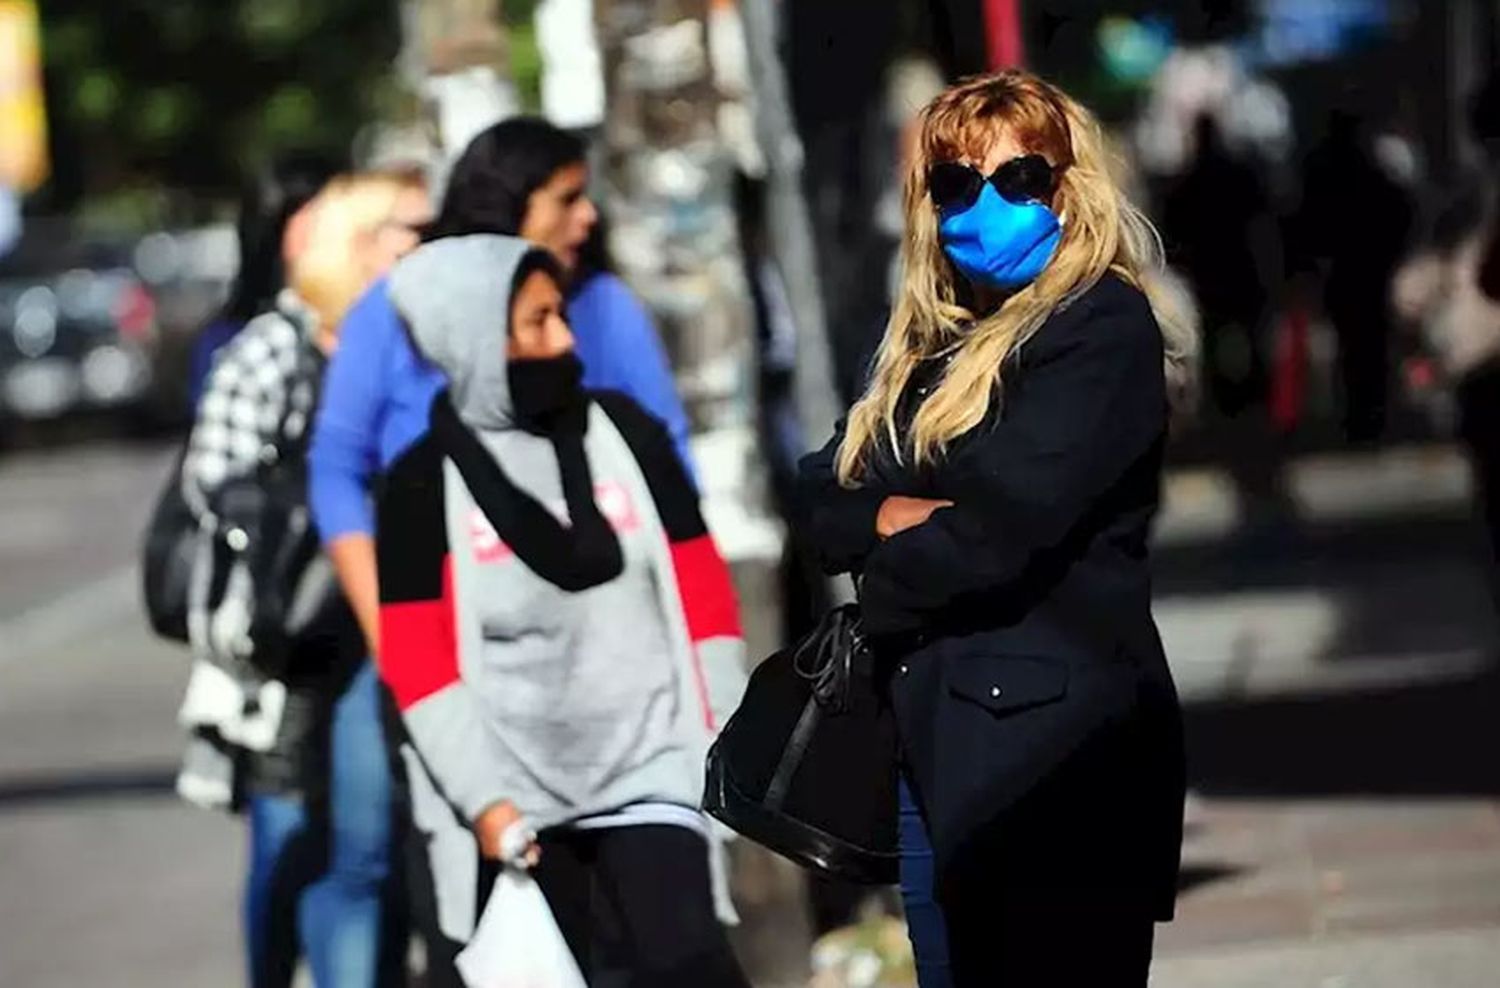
(377, 392)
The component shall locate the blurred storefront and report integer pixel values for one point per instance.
(1413, 64)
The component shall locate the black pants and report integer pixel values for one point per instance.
(1038, 943)
(1361, 321)
(636, 907)
(1064, 887)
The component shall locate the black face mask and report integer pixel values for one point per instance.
(547, 394)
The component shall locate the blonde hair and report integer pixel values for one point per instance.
(327, 274)
(1102, 233)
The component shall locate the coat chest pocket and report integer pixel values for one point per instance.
(1007, 684)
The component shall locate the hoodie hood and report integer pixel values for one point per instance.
(454, 295)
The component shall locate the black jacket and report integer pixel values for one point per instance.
(1038, 717)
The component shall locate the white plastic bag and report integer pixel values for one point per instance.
(517, 943)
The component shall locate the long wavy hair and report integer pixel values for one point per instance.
(936, 313)
(326, 273)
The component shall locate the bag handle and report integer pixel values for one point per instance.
(825, 658)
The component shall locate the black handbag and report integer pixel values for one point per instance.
(263, 521)
(808, 764)
(167, 558)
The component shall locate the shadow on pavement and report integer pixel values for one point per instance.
(47, 790)
(1434, 739)
(1191, 876)
(1293, 554)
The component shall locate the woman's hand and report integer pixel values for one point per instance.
(898, 513)
(491, 828)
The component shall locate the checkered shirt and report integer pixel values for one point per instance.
(261, 392)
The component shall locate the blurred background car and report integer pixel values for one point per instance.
(78, 328)
(104, 325)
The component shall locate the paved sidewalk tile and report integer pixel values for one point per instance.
(1448, 959)
(1292, 886)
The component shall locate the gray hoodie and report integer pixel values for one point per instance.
(570, 704)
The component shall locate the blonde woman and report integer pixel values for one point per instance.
(993, 490)
(309, 764)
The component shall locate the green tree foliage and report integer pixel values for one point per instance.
(188, 95)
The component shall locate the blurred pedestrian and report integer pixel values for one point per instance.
(1450, 288)
(268, 204)
(1354, 222)
(838, 52)
(291, 731)
(994, 489)
(1220, 223)
(556, 627)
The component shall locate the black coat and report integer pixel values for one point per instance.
(1037, 714)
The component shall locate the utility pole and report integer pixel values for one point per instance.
(791, 229)
(455, 60)
(667, 181)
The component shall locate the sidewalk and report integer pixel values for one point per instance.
(1341, 701)
(1449, 959)
(1328, 886)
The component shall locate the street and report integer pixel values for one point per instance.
(104, 876)
(1341, 705)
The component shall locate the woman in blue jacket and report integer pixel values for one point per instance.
(521, 177)
(994, 488)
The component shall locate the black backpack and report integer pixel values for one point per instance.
(261, 520)
(167, 557)
(808, 764)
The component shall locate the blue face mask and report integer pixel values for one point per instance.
(999, 243)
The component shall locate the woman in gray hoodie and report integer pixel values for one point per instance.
(557, 629)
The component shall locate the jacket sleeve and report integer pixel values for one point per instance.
(344, 453)
(419, 638)
(637, 365)
(1089, 407)
(709, 602)
(836, 522)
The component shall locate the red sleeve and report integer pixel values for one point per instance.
(418, 632)
(419, 644)
(708, 598)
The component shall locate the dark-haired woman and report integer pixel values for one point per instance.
(268, 206)
(522, 177)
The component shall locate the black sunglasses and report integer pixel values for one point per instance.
(1025, 179)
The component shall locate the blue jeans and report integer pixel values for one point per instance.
(924, 918)
(324, 896)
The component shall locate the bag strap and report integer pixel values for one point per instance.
(825, 658)
(791, 755)
(302, 389)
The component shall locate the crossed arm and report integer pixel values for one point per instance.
(1091, 405)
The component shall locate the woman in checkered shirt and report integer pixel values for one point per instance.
(310, 758)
